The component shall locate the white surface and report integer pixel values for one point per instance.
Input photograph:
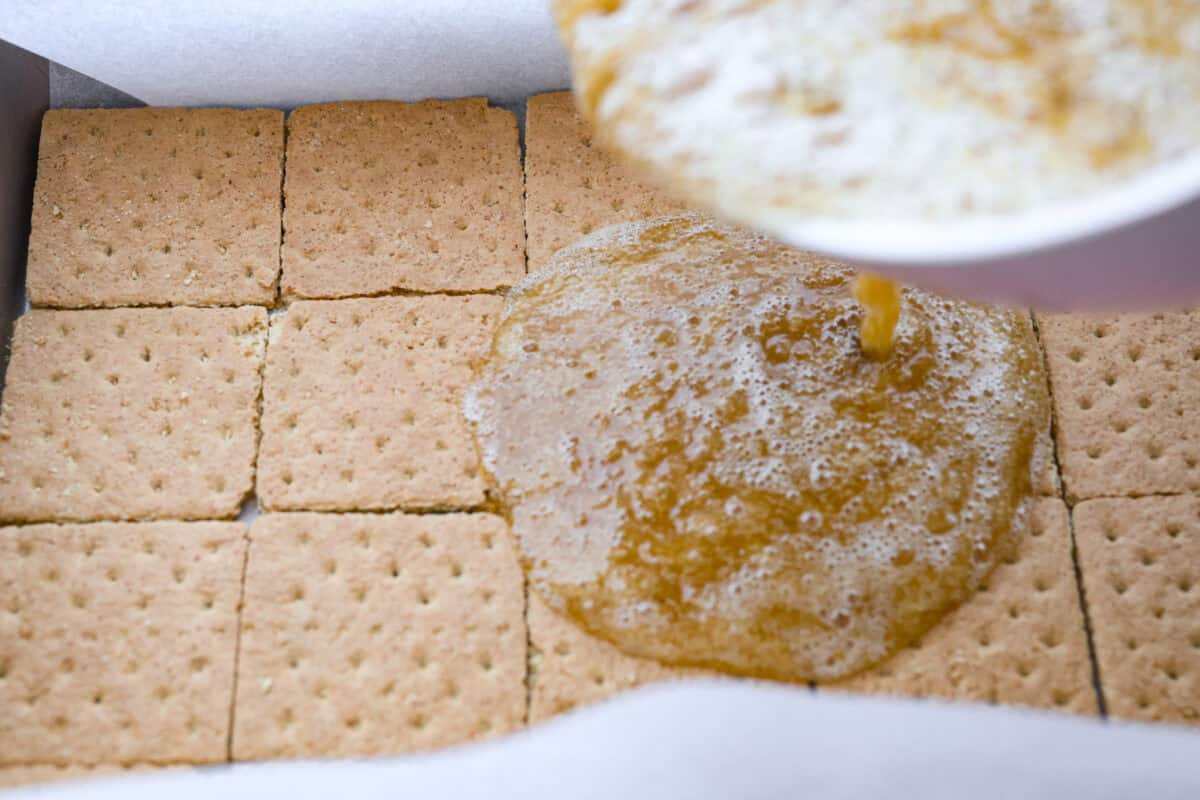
(288, 52)
(729, 741)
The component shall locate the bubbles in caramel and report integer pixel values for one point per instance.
(701, 466)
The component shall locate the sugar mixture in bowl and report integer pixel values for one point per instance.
(774, 110)
(702, 466)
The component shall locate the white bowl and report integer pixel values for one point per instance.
(1134, 246)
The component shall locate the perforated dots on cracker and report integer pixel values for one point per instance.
(383, 196)
(572, 187)
(1140, 560)
(361, 404)
(117, 641)
(1126, 401)
(378, 633)
(131, 414)
(156, 206)
(1020, 640)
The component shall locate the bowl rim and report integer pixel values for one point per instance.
(968, 241)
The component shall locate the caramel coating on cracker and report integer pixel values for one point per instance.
(701, 467)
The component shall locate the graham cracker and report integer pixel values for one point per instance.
(117, 641)
(131, 414)
(1126, 401)
(570, 668)
(1019, 641)
(37, 774)
(361, 404)
(383, 196)
(573, 187)
(378, 633)
(156, 206)
(1140, 560)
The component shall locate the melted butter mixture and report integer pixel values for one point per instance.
(701, 466)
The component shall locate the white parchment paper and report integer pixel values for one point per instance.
(289, 52)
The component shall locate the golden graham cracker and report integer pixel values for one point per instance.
(117, 641)
(156, 206)
(11, 777)
(131, 414)
(572, 187)
(1140, 560)
(38, 774)
(570, 668)
(362, 404)
(1019, 641)
(1126, 402)
(378, 633)
(383, 196)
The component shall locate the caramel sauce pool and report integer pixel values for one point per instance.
(701, 465)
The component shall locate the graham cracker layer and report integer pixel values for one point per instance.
(383, 196)
(572, 187)
(378, 633)
(117, 641)
(1020, 640)
(569, 668)
(361, 404)
(156, 206)
(38, 774)
(1126, 402)
(1140, 560)
(141, 413)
